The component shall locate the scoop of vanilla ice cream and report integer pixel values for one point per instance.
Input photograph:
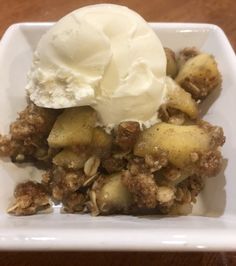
(105, 56)
(68, 64)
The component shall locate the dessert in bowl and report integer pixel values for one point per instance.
(113, 119)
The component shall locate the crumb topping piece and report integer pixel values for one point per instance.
(30, 198)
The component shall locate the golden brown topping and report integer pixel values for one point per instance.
(210, 163)
(47, 177)
(171, 173)
(142, 187)
(27, 141)
(188, 190)
(74, 202)
(32, 121)
(30, 198)
(127, 134)
(186, 54)
(157, 161)
(65, 181)
(113, 165)
(216, 133)
(137, 165)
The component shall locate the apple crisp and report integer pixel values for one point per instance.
(132, 169)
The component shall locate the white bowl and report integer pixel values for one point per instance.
(213, 225)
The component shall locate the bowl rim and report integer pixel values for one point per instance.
(122, 240)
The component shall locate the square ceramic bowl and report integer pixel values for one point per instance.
(212, 226)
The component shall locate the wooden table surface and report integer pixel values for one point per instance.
(220, 12)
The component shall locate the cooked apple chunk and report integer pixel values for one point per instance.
(70, 159)
(179, 99)
(101, 142)
(171, 67)
(185, 145)
(110, 195)
(199, 76)
(73, 127)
